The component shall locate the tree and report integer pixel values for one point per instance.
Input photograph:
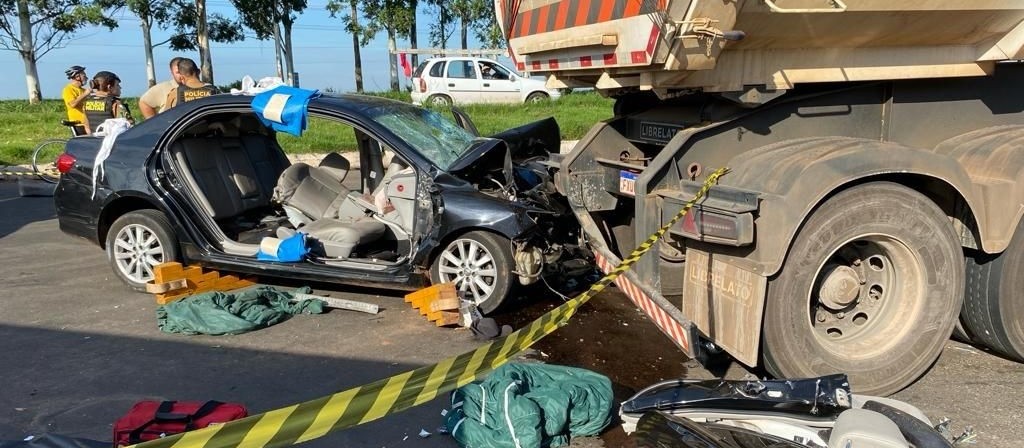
(42, 26)
(183, 15)
(414, 6)
(150, 13)
(468, 13)
(273, 19)
(441, 30)
(394, 17)
(488, 32)
(361, 35)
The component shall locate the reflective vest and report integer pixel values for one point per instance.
(186, 93)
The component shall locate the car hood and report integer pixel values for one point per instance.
(537, 139)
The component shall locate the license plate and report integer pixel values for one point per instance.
(627, 183)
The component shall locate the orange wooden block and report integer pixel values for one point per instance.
(444, 305)
(166, 272)
(446, 318)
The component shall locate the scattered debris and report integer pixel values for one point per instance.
(341, 304)
(424, 433)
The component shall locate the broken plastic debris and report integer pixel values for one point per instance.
(29, 438)
(424, 434)
(444, 412)
(19, 409)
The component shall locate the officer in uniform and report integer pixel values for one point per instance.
(190, 88)
(104, 102)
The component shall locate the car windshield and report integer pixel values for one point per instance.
(439, 140)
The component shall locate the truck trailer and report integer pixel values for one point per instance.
(876, 153)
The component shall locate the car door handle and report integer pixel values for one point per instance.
(451, 84)
(487, 84)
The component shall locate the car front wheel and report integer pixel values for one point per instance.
(480, 265)
(136, 243)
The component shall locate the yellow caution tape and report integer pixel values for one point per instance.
(316, 418)
(29, 173)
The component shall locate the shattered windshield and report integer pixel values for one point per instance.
(437, 139)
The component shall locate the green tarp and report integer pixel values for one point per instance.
(218, 313)
(530, 406)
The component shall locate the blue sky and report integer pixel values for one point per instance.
(323, 55)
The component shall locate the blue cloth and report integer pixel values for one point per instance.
(290, 118)
(291, 249)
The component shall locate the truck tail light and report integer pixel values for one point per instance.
(703, 225)
(423, 86)
(65, 162)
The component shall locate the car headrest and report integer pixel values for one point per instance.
(336, 165)
(224, 129)
(249, 124)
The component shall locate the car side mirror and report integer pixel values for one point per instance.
(511, 77)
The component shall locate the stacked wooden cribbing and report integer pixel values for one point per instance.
(439, 303)
(172, 281)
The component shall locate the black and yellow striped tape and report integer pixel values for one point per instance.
(316, 418)
(29, 173)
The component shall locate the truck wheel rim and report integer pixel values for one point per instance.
(864, 294)
(136, 251)
(471, 267)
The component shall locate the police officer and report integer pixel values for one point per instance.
(104, 102)
(190, 88)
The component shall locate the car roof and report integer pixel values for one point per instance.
(351, 103)
(451, 58)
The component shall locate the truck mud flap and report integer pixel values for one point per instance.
(667, 318)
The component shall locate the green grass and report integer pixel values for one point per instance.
(23, 126)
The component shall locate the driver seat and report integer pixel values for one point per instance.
(309, 193)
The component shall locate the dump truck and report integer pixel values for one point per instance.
(875, 151)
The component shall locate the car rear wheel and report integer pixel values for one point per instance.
(537, 97)
(480, 265)
(439, 100)
(871, 287)
(136, 243)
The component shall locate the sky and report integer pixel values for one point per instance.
(323, 55)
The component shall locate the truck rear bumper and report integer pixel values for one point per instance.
(667, 318)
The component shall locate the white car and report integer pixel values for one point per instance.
(465, 80)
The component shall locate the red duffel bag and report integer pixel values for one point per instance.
(149, 420)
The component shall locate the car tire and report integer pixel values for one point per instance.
(476, 261)
(993, 313)
(872, 287)
(138, 241)
(439, 100)
(537, 97)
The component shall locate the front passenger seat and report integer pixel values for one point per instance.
(309, 193)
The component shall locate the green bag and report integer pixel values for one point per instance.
(218, 313)
(530, 406)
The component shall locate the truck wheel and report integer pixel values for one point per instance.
(993, 312)
(871, 288)
(138, 241)
(480, 264)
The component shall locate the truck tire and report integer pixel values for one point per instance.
(993, 313)
(871, 287)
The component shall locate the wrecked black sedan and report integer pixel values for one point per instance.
(404, 197)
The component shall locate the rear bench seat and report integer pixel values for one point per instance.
(235, 169)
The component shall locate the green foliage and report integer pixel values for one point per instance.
(261, 16)
(52, 22)
(393, 16)
(184, 18)
(352, 24)
(23, 125)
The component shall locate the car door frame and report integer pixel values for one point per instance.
(463, 90)
(201, 233)
(500, 91)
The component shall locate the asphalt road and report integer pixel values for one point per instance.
(77, 349)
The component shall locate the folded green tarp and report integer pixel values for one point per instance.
(530, 406)
(218, 313)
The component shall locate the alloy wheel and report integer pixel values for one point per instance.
(471, 267)
(136, 251)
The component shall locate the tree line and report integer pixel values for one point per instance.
(33, 28)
